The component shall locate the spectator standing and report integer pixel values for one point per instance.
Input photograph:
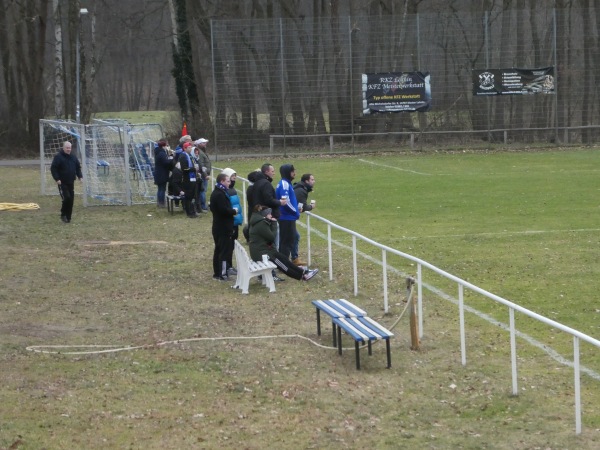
(189, 180)
(262, 236)
(205, 167)
(289, 213)
(65, 169)
(264, 194)
(162, 169)
(302, 189)
(222, 226)
(199, 179)
(252, 177)
(236, 204)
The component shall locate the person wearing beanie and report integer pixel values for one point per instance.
(237, 220)
(289, 213)
(262, 237)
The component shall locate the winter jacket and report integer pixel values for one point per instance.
(262, 236)
(301, 190)
(65, 168)
(205, 163)
(264, 194)
(222, 211)
(162, 165)
(285, 188)
(235, 203)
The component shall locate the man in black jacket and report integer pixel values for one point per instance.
(263, 193)
(65, 169)
(222, 226)
(301, 190)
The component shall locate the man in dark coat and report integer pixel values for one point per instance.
(189, 180)
(65, 169)
(302, 189)
(222, 227)
(264, 194)
(162, 169)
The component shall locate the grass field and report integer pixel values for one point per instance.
(522, 225)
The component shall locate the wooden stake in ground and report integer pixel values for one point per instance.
(414, 326)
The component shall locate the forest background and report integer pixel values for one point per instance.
(157, 55)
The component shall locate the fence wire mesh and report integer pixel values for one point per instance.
(296, 83)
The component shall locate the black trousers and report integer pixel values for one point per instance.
(287, 236)
(223, 248)
(285, 265)
(67, 193)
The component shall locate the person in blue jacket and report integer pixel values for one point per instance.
(288, 213)
(237, 220)
(65, 169)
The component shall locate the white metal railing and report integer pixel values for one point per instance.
(461, 285)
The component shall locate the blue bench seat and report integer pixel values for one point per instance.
(356, 323)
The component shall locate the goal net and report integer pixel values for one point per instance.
(117, 159)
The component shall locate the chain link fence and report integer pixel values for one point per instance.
(295, 84)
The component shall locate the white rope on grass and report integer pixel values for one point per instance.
(55, 349)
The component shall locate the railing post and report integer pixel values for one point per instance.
(461, 315)
(513, 351)
(329, 252)
(577, 385)
(420, 299)
(386, 307)
(308, 261)
(331, 142)
(354, 265)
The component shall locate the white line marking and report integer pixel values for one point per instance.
(499, 233)
(395, 168)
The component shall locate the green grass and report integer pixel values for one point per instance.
(521, 225)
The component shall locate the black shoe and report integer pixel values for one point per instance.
(64, 219)
(276, 278)
(220, 278)
(193, 216)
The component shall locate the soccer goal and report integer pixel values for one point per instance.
(117, 159)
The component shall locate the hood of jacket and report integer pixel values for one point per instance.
(286, 171)
(252, 176)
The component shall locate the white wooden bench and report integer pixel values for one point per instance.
(246, 269)
(356, 323)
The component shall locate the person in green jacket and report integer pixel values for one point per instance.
(262, 237)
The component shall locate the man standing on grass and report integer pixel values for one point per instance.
(222, 226)
(302, 190)
(205, 167)
(65, 169)
(289, 213)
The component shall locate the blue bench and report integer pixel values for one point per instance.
(356, 323)
(105, 166)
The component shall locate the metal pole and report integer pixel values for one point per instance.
(82, 12)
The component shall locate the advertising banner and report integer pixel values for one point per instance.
(513, 81)
(396, 92)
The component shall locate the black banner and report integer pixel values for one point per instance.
(396, 92)
(513, 81)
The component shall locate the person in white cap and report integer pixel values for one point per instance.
(206, 167)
